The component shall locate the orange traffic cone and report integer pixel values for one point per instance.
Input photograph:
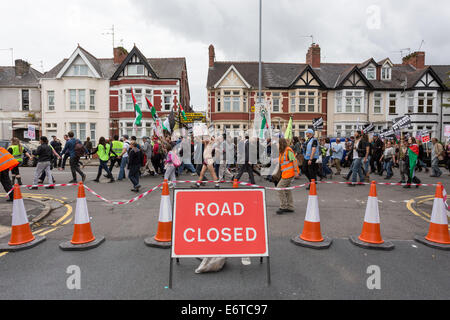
(235, 183)
(370, 237)
(163, 237)
(438, 234)
(311, 236)
(21, 235)
(82, 238)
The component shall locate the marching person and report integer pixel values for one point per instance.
(134, 161)
(311, 156)
(44, 153)
(388, 159)
(65, 155)
(147, 148)
(124, 157)
(411, 162)
(72, 149)
(7, 162)
(57, 146)
(116, 149)
(17, 151)
(338, 153)
(437, 152)
(289, 169)
(360, 155)
(103, 150)
(170, 164)
(246, 166)
(208, 163)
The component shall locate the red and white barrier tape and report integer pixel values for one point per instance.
(139, 197)
(43, 185)
(380, 183)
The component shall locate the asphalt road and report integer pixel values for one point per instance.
(124, 268)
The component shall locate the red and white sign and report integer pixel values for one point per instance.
(425, 136)
(219, 223)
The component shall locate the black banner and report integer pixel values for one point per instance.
(318, 123)
(369, 128)
(402, 123)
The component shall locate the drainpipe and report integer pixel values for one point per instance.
(441, 111)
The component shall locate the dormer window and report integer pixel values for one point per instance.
(135, 70)
(371, 73)
(386, 73)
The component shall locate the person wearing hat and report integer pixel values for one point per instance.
(311, 156)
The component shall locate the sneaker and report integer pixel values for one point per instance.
(73, 181)
(217, 186)
(9, 200)
(83, 178)
(351, 185)
(49, 187)
(195, 186)
(246, 261)
(32, 188)
(96, 180)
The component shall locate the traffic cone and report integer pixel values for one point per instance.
(311, 236)
(235, 183)
(370, 237)
(83, 238)
(438, 234)
(163, 237)
(21, 235)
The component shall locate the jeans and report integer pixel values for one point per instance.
(123, 164)
(75, 167)
(133, 174)
(104, 165)
(388, 167)
(326, 169)
(435, 171)
(188, 166)
(356, 169)
(366, 164)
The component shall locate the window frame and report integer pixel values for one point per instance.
(50, 107)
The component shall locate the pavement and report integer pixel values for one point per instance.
(124, 268)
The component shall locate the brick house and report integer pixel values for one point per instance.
(163, 81)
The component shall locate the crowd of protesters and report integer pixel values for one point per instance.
(226, 158)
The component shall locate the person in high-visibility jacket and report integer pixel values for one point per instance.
(7, 162)
(17, 151)
(116, 149)
(103, 151)
(289, 169)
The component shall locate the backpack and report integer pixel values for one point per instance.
(79, 149)
(175, 160)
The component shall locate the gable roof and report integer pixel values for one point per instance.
(309, 69)
(232, 68)
(126, 61)
(166, 68)
(367, 62)
(8, 78)
(89, 59)
(331, 75)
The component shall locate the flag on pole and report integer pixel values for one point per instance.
(288, 134)
(137, 110)
(152, 109)
(183, 114)
(166, 125)
(264, 124)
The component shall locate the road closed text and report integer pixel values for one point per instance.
(219, 222)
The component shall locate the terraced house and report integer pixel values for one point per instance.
(347, 95)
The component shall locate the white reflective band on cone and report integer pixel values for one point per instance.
(439, 213)
(165, 209)
(19, 213)
(312, 210)
(372, 214)
(81, 213)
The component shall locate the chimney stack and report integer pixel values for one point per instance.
(119, 55)
(313, 56)
(21, 67)
(212, 56)
(416, 59)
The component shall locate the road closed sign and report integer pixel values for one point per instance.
(219, 223)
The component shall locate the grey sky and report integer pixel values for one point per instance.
(346, 30)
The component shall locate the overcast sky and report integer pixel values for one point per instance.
(346, 30)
